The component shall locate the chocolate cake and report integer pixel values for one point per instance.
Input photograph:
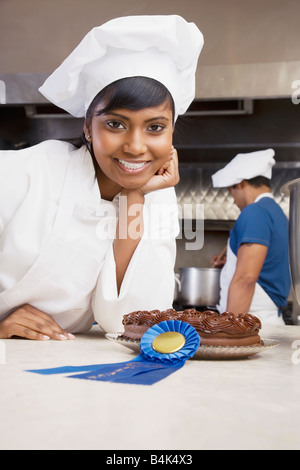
(226, 329)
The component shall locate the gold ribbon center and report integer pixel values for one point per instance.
(169, 342)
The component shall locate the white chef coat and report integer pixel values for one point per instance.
(262, 306)
(56, 241)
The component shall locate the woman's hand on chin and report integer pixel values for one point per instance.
(166, 177)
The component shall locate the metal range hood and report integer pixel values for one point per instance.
(249, 81)
(239, 84)
(21, 88)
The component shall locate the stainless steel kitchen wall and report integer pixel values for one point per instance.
(195, 188)
(251, 47)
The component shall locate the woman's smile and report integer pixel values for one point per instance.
(132, 167)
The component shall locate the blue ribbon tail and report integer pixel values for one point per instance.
(138, 371)
(72, 369)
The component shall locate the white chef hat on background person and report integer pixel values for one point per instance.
(245, 166)
(163, 47)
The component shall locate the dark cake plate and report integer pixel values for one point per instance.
(205, 352)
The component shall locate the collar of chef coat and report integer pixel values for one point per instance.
(261, 196)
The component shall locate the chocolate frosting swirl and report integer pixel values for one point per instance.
(152, 317)
(208, 321)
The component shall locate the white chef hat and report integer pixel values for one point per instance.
(245, 166)
(165, 48)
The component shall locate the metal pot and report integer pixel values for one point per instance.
(292, 189)
(199, 286)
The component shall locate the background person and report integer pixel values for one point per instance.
(255, 277)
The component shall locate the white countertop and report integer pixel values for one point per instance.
(251, 403)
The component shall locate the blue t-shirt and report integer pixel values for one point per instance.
(264, 222)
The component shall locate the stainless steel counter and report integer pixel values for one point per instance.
(234, 404)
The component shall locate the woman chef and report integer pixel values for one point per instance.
(255, 277)
(89, 233)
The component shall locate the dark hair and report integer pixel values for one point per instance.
(133, 93)
(259, 181)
